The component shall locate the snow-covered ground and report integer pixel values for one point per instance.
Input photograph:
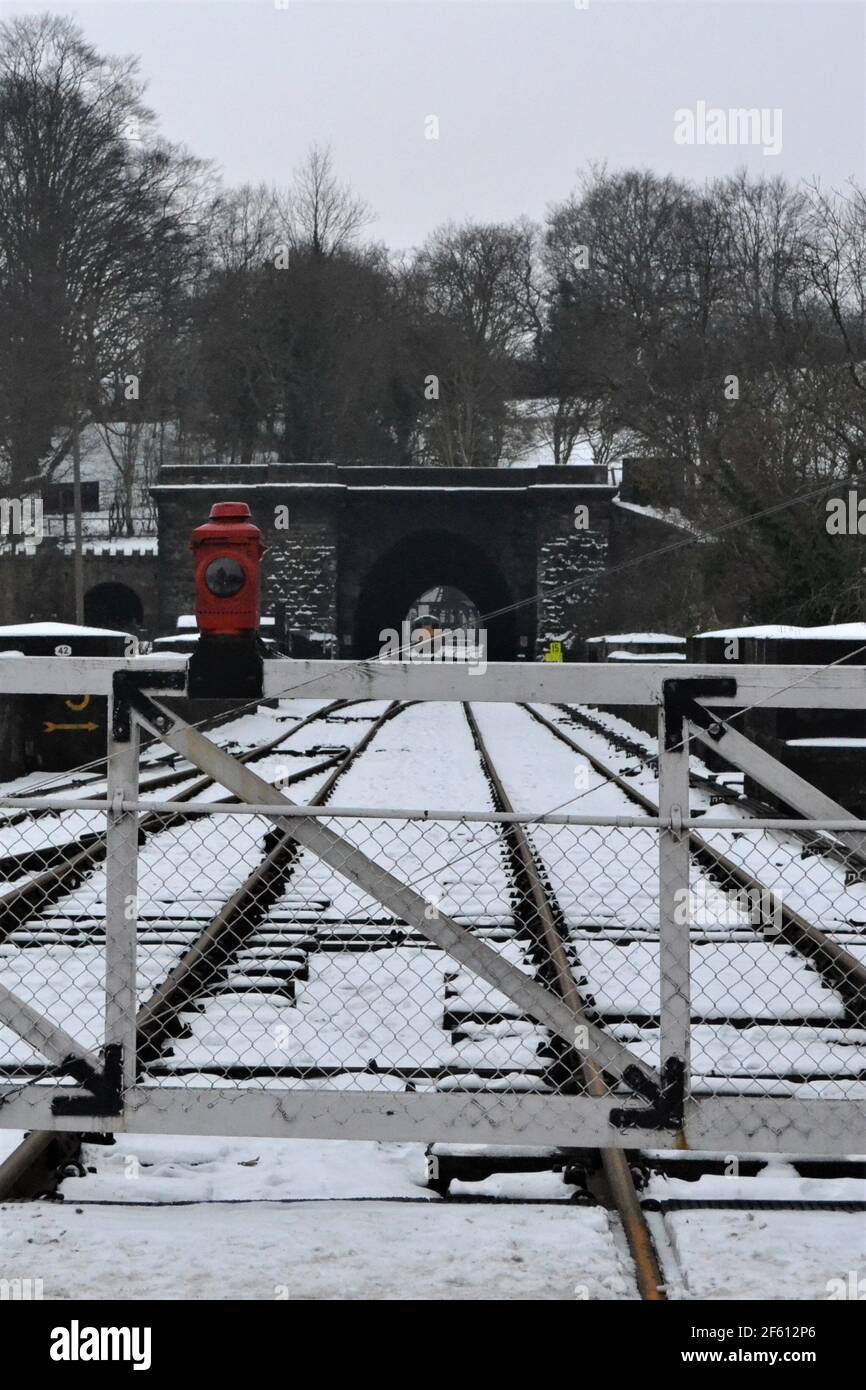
(332, 1250)
(274, 1219)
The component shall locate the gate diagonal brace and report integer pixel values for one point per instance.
(781, 781)
(105, 1086)
(404, 902)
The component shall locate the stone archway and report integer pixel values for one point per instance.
(113, 606)
(416, 563)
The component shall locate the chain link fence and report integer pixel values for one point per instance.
(260, 967)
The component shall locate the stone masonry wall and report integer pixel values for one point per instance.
(300, 568)
(575, 558)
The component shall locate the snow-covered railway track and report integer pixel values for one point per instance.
(311, 984)
(773, 1002)
(38, 845)
(764, 1018)
(53, 864)
(90, 779)
(374, 998)
(173, 958)
(575, 1071)
(844, 869)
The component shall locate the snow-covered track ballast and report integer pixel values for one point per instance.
(36, 1165)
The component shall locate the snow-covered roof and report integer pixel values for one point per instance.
(178, 640)
(839, 631)
(672, 516)
(835, 742)
(625, 639)
(187, 623)
(842, 631)
(646, 656)
(58, 630)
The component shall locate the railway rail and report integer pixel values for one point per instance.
(37, 1164)
(553, 962)
(843, 971)
(51, 869)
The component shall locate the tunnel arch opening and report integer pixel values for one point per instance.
(113, 606)
(420, 562)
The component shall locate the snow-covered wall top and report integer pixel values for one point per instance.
(840, 631)
(57, 630)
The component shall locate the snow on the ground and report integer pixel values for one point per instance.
(774, 1255)
(610, 874)
(334, 1250)
(66, 984)
(815, 886)
(158, 1168)
(777, 1181)
(723, 1050)
(731, 980)
(761, 1254)
(384, 1006)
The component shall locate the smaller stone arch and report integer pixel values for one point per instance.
(113, 605)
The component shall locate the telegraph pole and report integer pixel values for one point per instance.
(78, 551)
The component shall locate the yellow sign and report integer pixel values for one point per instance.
(554, 652)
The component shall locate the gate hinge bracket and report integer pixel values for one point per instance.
(129, 695)
(667, 1108)
(105, 1087)
(680, 697)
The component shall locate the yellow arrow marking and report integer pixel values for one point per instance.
(51, 728)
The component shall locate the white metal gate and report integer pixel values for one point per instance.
(630, 1058)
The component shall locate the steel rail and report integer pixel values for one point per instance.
(614, 1162)
(82, 855)
(841, 970)
(24, 1169)
(224, 934)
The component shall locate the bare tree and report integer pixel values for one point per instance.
(92, 209)
(470, 293)
(834, 263)
(318, 213)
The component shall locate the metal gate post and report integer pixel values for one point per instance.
(121, 890)
(674, 911)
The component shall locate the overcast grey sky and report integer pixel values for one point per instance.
(526, 93)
